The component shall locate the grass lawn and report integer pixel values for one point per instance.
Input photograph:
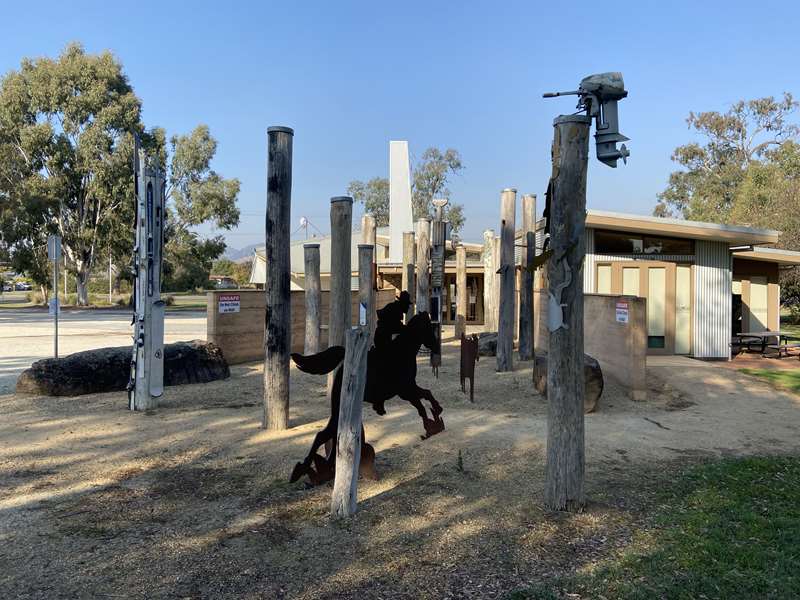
(728, 529)
(785, 379)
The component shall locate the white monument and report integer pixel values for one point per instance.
(400, 214)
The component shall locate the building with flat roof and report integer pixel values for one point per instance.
(703, 282)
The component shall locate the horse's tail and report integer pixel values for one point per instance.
(321, 362)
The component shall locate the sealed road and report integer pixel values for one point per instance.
(26, 335)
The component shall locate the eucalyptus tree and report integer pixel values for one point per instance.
(66, 128)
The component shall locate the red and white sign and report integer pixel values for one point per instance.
(229, 303)
(622, 311)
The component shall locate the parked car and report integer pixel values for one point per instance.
(7, 287)
(21, 286)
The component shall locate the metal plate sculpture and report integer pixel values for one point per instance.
(391, 371)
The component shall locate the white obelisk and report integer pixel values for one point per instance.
(400, 214)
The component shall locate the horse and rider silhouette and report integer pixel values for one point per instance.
(391, 371)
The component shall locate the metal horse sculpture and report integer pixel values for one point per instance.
(391, 372)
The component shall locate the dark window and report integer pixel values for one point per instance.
(655, 341)
(616, 242)
(613, 242)
(665, 245)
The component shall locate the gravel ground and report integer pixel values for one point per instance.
(193, 500)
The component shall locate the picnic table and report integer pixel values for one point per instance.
(780, 347)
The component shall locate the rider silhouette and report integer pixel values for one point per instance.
(390, 320)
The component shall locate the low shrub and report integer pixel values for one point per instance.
(169, 300)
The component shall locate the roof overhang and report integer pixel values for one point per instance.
(733, 234)
(774, 255)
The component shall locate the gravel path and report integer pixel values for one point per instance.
(192, 501)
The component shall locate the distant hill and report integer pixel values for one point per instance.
(245, 253)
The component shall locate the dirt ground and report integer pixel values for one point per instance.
(193, 500)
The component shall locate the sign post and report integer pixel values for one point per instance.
(54, 254)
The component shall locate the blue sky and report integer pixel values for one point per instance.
(350, 76)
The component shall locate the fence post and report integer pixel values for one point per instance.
(505, 326)
(277, 330)
(526, 287)
(564, 473)
(408, 282)
(462, 294)
(313, 296)
(423, 259)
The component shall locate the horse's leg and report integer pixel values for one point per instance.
(414, 395)
(322, 436)
(436, 408)
(328, 432)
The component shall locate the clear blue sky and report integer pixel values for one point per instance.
(348, 77)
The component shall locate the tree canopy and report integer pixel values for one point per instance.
(745, 171)
(429, 178)
(66, 149)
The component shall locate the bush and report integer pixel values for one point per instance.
(794, 314)
(169, 300)
(35, 298)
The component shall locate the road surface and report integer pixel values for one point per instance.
(26, 335)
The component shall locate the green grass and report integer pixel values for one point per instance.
(780, 378)
(728, 529)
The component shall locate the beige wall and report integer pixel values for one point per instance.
(743, 271)
(621, 349)
(241, 335)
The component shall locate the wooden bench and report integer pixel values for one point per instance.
(784, 349)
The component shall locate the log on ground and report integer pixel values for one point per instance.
(593, 379)
(108, 369)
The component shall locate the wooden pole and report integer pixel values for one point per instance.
(369, 235)
(277, 331)
(505, 328)
(313, 296)
(423, 260)
(489, 269)
(366, 295)
(564, 472)
(462, 294)
(409, 283)
(526, 287)
(344, 500)
(341, 269)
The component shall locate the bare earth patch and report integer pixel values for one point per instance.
(193, 500)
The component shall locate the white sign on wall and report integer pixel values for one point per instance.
(622, 312)
(229, 303)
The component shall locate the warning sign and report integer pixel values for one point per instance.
(229, 303)
(622, 312)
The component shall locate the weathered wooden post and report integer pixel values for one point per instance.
(341, 269)
(462, 294)
(340, 311)
(369, 235)
(344, 500)
(277, 330)
(489, 270)
(366, 296)
(408, 281)
(423, 259)
(313, 297)
(505, 328)
(526, 287)
(565, 386)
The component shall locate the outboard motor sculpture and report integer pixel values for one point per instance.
(147, 365)
(598, 96)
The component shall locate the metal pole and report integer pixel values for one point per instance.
(278, 331)
(55, 308)
(109, 275)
